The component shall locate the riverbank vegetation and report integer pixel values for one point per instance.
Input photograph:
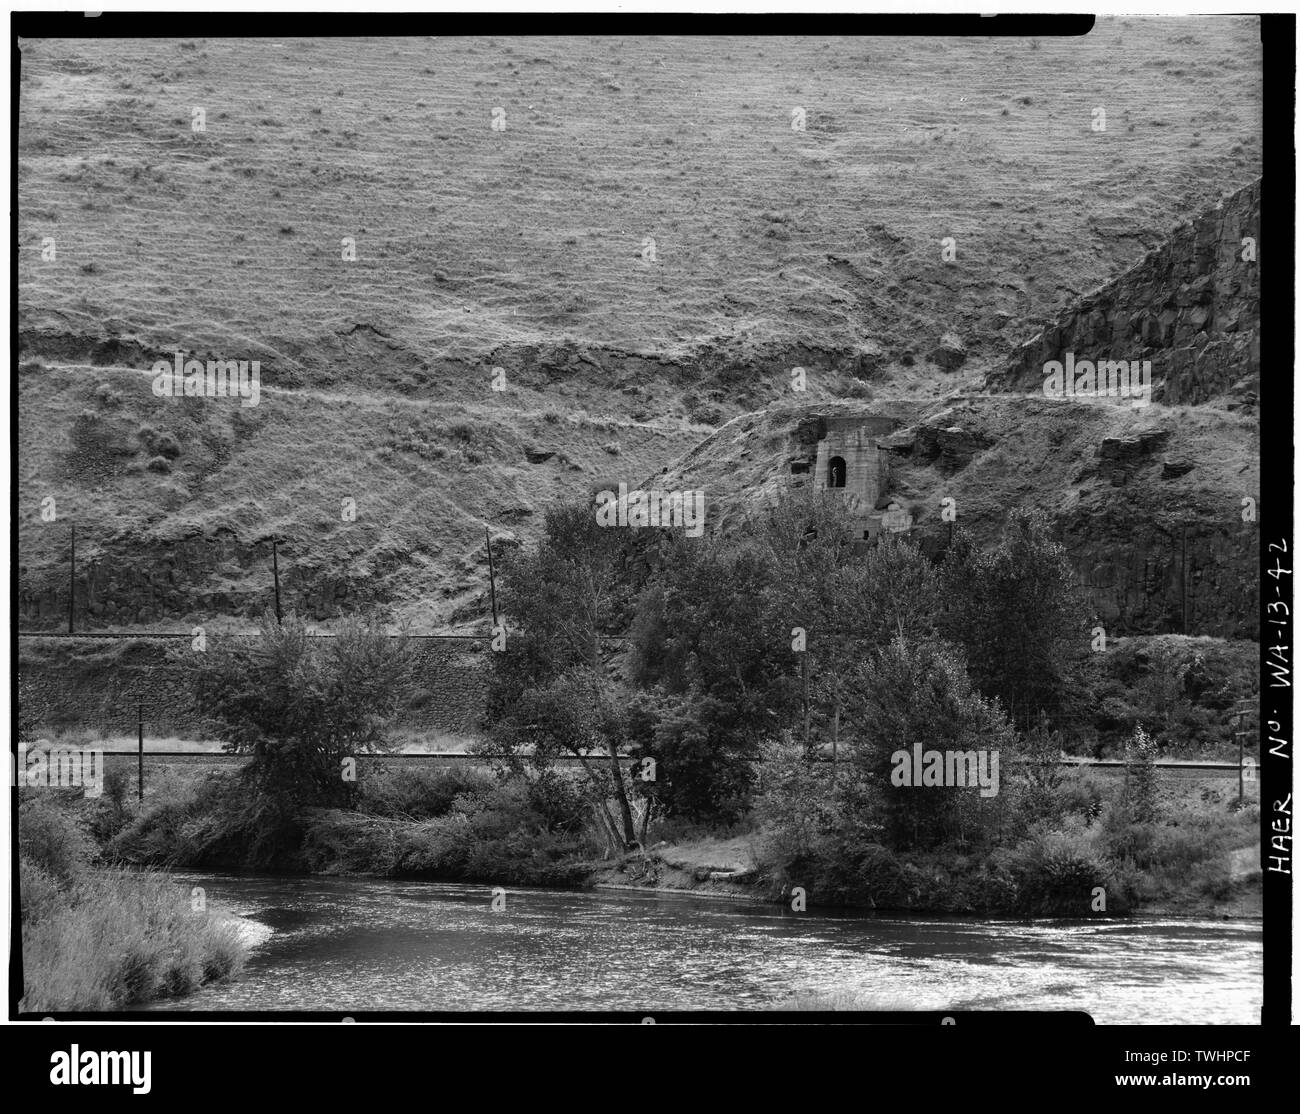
(104, 939)
(881, 727)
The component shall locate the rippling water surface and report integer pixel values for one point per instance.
(371, 944)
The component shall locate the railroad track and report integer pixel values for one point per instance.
(1103, 765)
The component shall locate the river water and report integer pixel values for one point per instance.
(360, 944)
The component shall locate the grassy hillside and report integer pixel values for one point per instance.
(523, 249)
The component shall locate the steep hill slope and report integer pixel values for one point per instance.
(1154, 500)
(526, 249)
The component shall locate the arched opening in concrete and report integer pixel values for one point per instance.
(836, 471)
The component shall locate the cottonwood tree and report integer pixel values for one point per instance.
(891, 590)
(300, 706)
(553, 688)
(714, 641)
(917, 691)
(850, 599)
(1015, 613)
(711, 650)
(581, 714)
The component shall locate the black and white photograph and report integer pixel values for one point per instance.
(751, 518)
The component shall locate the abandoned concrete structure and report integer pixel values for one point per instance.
(850, 464)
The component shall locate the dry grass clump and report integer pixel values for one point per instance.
(97, 940)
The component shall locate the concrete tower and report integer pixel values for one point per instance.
(852, 466)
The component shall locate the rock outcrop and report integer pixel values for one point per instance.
(1191, 307)
(1147, 503)
(949, 353)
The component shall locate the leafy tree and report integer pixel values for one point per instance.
(808, 540)
(553, 689)
(917, 692)
(848, 598)
(819, 829)
(893, 589)
(578, 713)
(713, 620)
(711, 644)
(1166, 686)
(1041, 749)
(702, 753)
(714, 631)
(854, 597)
(562, 597)
(1015, 613)
(1140, 780)
(300, 706)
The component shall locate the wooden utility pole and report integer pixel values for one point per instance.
(835, 742)
(1184, 578)
(492, 578)
(275, 572)
(72, 576)
(1241, 756)
(807, 723)
(139, 792)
